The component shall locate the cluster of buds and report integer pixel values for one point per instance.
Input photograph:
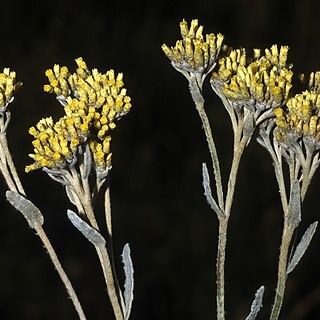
(262, 82)
(314, 81)
(195, 53)
(299, 119)
(92, 102)
(8, 86)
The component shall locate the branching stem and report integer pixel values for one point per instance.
(197, 97)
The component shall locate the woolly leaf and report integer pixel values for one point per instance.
(129, 283)
(31, 213)
(90, 233)
(294, 212)
(71, 195)
(302, 247)
(256, 304)
(207, 191)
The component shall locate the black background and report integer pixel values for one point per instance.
(157, 198)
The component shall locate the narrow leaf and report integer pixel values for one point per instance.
(71, 195)
(90, 233)
(294, 212)
(256, 304)
(249, 124)
(194, 89)
(129, 283)
(207, 191)
(31, 213)
(302, 246)
(87, 161)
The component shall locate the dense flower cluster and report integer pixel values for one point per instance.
(195, 52)
(264, 80)
(92, 102)
(8, 86)
(299, 119)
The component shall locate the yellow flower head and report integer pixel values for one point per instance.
(90, 87)
(93, 103)
(263, 80)
(8, 86)
(299, 118)
(55, 144)
(195, 52)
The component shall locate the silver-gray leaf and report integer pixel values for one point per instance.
(302, 246)
(249, 124)
(256, 304)
(71, 195)
(31, 213)
(195, 90)
(207, 191)
(87, 161)
(294, 210)
(129, 283)
(90, 233)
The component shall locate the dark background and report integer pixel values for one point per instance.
(157, 198)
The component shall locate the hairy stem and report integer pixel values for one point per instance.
(282, 187)
(106, 263)
(220, 266)
(5, 170)
(198, 99)
(61, 272)
(282, 270)
(111, 287)
(12, 168)
(237, 154)
(306, 176)
(107, 208)
(223, 226)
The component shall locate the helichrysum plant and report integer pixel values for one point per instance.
(74, 151)
(255, 90)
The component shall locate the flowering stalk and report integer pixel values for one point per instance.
(294, 135)
(75, 151)
(250, 89)
(195, 57)
(8, 86)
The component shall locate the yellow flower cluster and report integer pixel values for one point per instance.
(300, 117)
(194, 52)
(92, 102)
(265, 79)
(8, 86)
